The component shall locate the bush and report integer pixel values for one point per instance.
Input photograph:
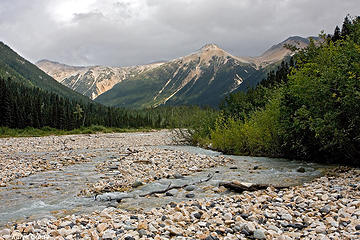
(256, 135)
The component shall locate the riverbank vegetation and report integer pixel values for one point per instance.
(308, 109)
(47, 131)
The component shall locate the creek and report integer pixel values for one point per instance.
(56, 193)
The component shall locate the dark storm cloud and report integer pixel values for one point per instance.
(130, 32)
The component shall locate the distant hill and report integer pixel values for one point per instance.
(203, 77)
(20, 70)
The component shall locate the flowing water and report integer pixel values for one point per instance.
(55, 193)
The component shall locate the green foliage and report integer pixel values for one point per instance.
(309, 111)
(256, 135)
(320, 110)
(47, 131)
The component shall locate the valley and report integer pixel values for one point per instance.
(205, 145)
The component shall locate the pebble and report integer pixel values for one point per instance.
(109, 234)
(326, 209)
(228, 216)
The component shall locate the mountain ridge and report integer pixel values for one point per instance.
(182, 74)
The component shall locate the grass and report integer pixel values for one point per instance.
(48, 131)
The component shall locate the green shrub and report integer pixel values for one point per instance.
(256, 135)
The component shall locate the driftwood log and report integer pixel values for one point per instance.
(239, 187)
(177, 186)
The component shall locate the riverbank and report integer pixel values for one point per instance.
(325, 208)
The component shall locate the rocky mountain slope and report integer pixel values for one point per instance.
(203, 77)
(278, 52)
(91, 81)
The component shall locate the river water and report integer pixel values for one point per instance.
(55, 193)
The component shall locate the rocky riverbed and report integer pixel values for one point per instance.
(141, 165)
(21, 157)
(325, 208)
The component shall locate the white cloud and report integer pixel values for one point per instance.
(128, 32)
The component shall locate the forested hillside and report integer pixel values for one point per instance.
(31, 98)
(308, 109)
(22, 71)
(23, 106)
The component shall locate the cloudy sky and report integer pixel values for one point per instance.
(131, 32)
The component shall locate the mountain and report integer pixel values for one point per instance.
(203, 77)
(278, 52)
(22, 71)
(91, 81)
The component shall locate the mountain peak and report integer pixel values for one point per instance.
(209, 46)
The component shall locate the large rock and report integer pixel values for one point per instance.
(115, 196)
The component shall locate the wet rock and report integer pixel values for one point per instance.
(178, 176)
(301, 170)
(172, 192)
(115, 196)
(137, 184)
(190, 188)
(189, 195)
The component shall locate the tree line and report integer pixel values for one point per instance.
(23, 106)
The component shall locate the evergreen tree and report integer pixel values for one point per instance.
(345, 30)
(337, 34)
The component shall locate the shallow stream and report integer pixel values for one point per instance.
(55, 193)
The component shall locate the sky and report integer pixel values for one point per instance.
(135, 32)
